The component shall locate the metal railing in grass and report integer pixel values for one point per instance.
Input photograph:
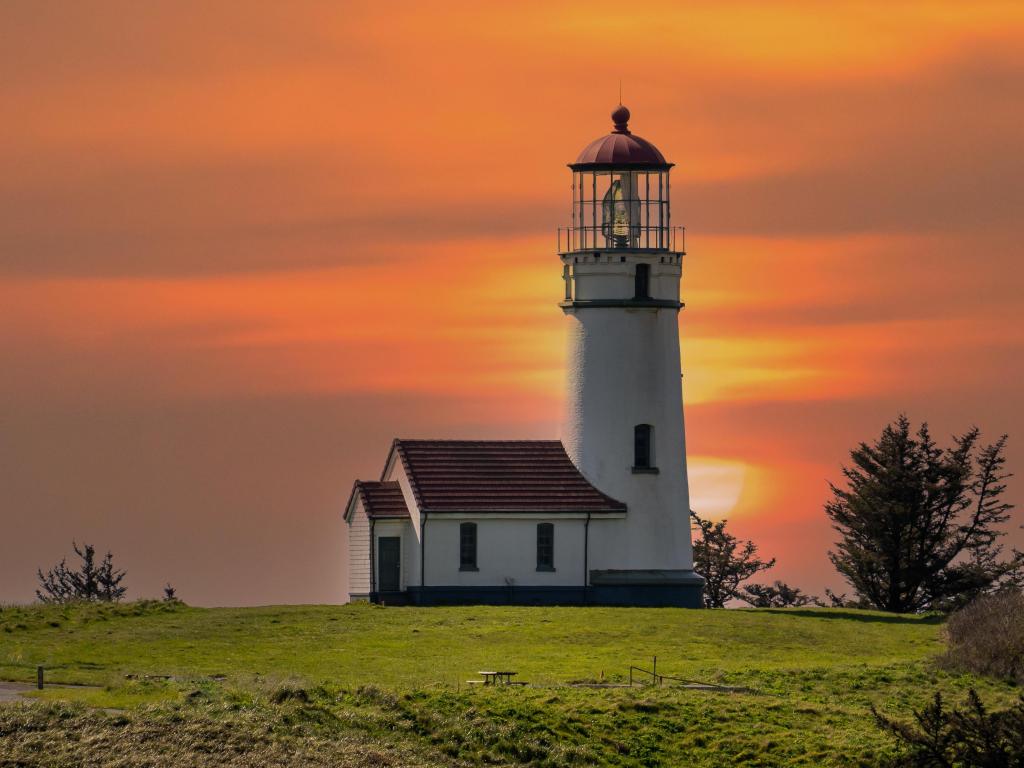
(659, 680)
(656, 679)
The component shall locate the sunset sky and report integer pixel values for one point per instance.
(245, 245)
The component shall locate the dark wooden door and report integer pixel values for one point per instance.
(389, 566)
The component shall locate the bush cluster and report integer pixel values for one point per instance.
(987, 637)
(967, 737)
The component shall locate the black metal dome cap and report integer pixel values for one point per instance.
(620, 149)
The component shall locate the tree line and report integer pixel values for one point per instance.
(920, 528)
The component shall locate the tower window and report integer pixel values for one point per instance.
(642, 445)
(642, 282)
(545, 547)
(467, 547)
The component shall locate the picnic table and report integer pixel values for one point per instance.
(495, 677)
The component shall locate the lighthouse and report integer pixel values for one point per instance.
(621, 265)
(602, 517)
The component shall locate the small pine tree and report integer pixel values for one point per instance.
(777, 595)
(971, 737)
(170, 596)
(841, 601)
(723, 561)
(92, 581)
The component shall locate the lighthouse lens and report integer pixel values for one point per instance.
(615, 216)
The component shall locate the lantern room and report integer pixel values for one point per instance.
(620, 195)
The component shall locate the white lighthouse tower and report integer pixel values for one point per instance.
(622, 263)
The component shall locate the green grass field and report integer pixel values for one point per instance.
(358, 685)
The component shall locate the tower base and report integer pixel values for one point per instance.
(678, 588)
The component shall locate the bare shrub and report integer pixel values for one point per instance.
(724, 561)
(987, 637)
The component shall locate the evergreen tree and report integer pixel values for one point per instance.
(968, 737)
(92, 581)
(777, 595)
(723, 561)
(919, 523)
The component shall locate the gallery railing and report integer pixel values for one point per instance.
(592, 238)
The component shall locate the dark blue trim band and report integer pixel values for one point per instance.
(637, 595)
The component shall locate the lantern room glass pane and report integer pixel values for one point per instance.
(620, 209)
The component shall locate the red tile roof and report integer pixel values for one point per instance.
(498, 476)
(382, 499)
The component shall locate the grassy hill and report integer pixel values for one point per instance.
(359, 685)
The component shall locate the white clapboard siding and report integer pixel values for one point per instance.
(358, 552)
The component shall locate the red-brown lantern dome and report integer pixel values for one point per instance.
(620, 149)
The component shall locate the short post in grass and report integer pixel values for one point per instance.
(39, 678)
(654, 671)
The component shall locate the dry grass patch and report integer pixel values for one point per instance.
(987, 637)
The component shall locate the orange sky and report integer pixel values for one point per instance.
(243, 246)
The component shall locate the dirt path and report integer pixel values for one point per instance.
(13, 691)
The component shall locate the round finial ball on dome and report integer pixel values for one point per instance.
(621, 118)
(620, 148)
